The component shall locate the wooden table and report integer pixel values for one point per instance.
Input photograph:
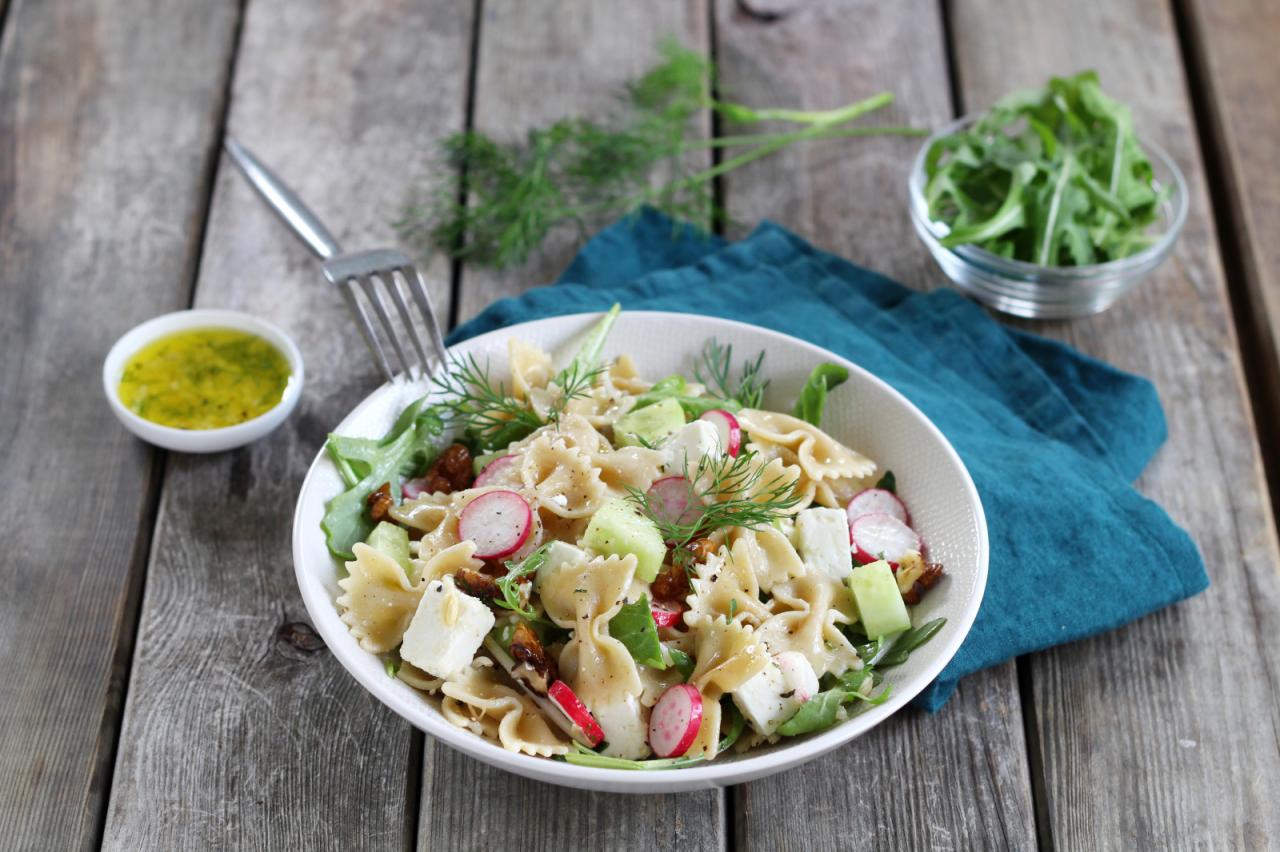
(159, 685)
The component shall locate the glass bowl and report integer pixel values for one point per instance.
(1049, 292)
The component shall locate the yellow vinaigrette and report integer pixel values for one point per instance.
(204, 378)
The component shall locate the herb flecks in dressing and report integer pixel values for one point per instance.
(204, 378)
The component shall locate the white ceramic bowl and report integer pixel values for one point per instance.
(865, 413)
(201, 440)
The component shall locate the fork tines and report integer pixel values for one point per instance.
(367, 280)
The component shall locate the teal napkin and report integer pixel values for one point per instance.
(1052, 437)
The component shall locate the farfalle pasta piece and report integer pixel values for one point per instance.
(417, 678)
(819, 455)
(624, 376)
(728, 655)
(449, 560)
(530, 367)
(808, 624)
(769, 553)
(562, 480)
(767, 477)
(599, 668)
(476, 699)
(725, 585)
(378, 600)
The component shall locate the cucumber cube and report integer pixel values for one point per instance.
(650, 425)
(617, 528)
(394, 542)
(879, 602)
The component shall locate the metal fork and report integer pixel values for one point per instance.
(370, 273)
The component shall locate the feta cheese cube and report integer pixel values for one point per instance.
(446, 630)
(822, 537)
(767, 700)
(689, 445)
(560, 554)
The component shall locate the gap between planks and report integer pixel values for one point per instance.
(1259, 353)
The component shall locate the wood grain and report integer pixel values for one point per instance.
(241, 730)
(957, 779)
(1234, 60)
(1164, 734)
(538, 63)
(107, 134)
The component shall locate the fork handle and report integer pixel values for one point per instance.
(282, 199)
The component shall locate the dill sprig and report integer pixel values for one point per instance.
(502, 198)
(488, 414)
(717, 360)
(724, 492)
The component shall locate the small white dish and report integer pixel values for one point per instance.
(865, 412)
(201, 440)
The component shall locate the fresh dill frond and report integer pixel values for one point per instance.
(574, 381)
(488, 414)
(503, 198)
(717, 361)
(485, 411)
(723, 492)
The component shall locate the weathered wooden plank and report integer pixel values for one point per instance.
(538, 63)
(957, 779)
(107, 133)
(1163, 734)
(241, 731)
(1234, 59)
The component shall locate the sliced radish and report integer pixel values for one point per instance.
(499, 522)
(569, 702)
(664, 617)
(671, 499)
(492, 471)
(877, 500)
(674, 722)
(413, 488)
(797, 674)
(727, 428)
(882, 536)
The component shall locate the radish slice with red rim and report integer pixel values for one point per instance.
(569, 702)
(674, 722)
(882, 536)
(492, 471)
(727, 428)
(874, 500)
(414, 488)
(664, 617)
(671, 500)
(499, 522)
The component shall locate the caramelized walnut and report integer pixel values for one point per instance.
(928, 578)
(477, 585)
(379, 502)
(671, 585)
(534, 666)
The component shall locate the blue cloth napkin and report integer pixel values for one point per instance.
(1052, 437)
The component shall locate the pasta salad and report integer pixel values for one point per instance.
(585, 565)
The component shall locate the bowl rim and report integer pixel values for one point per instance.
(1149, 257)
(322, 611)
(189, 319)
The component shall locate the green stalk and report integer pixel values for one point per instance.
(762, 138)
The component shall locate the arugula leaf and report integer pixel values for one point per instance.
(634, 627)
(908, 641)
(888, 482)
(408, 445)
(813, 397)
(1053, 176)
(822, 710)
(681, 661)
